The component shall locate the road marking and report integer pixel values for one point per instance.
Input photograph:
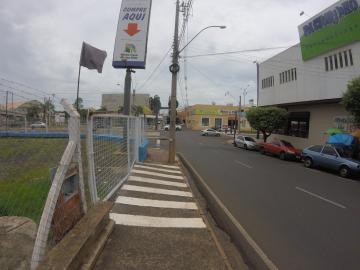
(155, 181)
(163, 166)
(243, 164)
(157, 222)
(158, 174)
(157, 191)
(156, 203)
(321, 198)
(157, 169)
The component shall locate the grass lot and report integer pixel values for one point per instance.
(25, 175)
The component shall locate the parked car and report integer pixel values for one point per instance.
(331, 157)
(210, 132)
(177, 127)
(246, 142)
(280, 148)
(38, 125)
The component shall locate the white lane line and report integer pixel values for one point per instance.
(157, 169)
(321, 198)
(156, 203)
(158, 174)
(157, 191)
(243, 164)
(163, 166)
(155, 181)
(157, 222)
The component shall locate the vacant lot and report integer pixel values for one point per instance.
(25, 175)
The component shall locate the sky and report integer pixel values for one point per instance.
(41, 43)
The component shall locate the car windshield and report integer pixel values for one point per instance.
(249, 139)
(287, 144)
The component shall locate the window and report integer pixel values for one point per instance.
(292, 74)
(328, 150)
(289, 75)
(351, 58)
(298, 124)
(316, 148)
(267, 82)
(205, 122)
(326, 64)
(295, 74)
(335, 61)
(331, 62)
(340, 60)
(346, 59)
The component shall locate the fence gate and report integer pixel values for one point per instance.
(113, 144)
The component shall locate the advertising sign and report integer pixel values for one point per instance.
(132, 34)
(333, 28)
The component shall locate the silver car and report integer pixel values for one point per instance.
(210, 132)
(246, 142)
(38, 125)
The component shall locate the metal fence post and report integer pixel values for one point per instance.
(128, 143)
(91, 165)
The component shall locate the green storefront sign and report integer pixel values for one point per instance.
(334, 28)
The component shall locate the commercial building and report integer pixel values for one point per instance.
(201, 116)
(112, 102)
(310, 78)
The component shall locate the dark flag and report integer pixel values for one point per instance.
(92, 58)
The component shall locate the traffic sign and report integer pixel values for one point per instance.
(132, 34)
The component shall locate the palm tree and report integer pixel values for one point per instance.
(155, 106)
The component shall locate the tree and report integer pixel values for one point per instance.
(351, 99)
(137, 110)
(33, 111)
(155, 106)
(266, 119)
(81, 103)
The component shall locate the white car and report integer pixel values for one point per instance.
(210, 132)
(246, 142)
(38, 125)
(177, 127)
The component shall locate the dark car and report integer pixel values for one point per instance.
(331, 157)
(281, 148)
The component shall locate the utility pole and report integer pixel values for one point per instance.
(237, 124)
(257, 93)
(174, 69)
(6, 111)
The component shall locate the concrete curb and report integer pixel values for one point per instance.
(256, 257)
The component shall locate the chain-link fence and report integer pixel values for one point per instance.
(113, 148)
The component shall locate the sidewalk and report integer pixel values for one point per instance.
(158, 225)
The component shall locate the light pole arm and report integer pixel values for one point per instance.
(202, 30)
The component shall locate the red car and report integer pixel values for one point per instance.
(281, 148)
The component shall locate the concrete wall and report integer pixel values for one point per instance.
(322, 117)
(313, 81)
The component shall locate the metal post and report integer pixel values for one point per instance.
(77, 92)
(175, 69)
(127, 90)
(237, 124)
(257, 94)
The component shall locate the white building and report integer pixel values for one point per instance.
(311, 89)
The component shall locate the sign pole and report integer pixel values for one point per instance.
(77, 92)
(127, 90)
(174, 69)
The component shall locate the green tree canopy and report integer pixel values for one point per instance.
(266, 119)
(155, 106)
(81, 103)
(351, 99)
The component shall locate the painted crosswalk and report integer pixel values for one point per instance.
(157, 196)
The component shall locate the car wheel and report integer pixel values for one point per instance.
(245, 147)
(218, 135)
(344, 171)
(308, 163)
(282, 156)
(262, 150)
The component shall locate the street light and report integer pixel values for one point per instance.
(174, 69)
(211, 26)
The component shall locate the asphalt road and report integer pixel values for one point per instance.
(301, 218)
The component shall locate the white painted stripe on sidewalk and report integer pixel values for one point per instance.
(321, 198)
(158, 174)
(155, 181)
(157, 191)
(156, 203)
(163, 166)
(157, 222)
(157, 169)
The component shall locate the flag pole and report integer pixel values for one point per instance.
(77, 93)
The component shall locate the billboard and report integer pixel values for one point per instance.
(132, 34)
(332, 28)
